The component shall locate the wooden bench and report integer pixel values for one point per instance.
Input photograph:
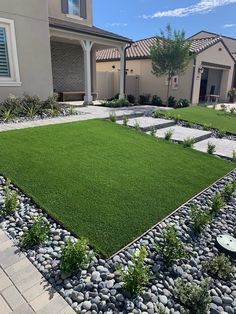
(79, 94)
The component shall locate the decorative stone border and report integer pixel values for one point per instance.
(98, 288)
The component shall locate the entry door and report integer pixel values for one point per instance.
(203, 86)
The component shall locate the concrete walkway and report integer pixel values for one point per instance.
(85, 113)
(23, 290)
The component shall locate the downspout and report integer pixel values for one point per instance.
(193, 79)
(127, 47)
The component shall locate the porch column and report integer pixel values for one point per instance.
(87, 46)
(122, 72)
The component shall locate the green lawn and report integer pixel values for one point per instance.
(105, 182)
(206, 116)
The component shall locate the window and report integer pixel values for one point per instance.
(74, 7)
(9, 69)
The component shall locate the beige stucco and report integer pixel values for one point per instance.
(149, 84)
(56, 12)
(33, 46)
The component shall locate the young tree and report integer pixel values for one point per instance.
(170, 54)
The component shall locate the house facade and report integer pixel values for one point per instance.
(51, 45)
(210, 72)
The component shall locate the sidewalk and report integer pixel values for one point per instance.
(23, 290)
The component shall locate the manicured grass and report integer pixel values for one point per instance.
(105, 182)
(206, 116)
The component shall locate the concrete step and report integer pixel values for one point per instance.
(146, 123)
(181, 133)
(223, 147)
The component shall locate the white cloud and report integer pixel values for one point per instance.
(117, 24)
(229, 25)
(203, 6)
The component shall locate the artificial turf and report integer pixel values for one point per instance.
(206, 116)
(103, 181)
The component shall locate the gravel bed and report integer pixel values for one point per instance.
(98, 287)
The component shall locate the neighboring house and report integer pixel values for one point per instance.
(210, 72)
(50, 45)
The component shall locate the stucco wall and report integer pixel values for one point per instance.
(33, 46)
(67, 67)
(56, 11)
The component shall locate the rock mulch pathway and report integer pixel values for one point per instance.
(98, 287)
(23, 290)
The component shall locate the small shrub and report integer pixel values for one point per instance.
(12, 104)
(194, 298)
(168, 134)
(112, 117)
(221, 133)
(211, 148)
(188, 124)
(144, 99)
(177, 118)
(137, 126)
(52, 101)
(71, 110)
(131, 99)
(182, 103)
(156, 101)
(232, 110)
(158, 114)
(199, 219)
(74, 255)
(216, 204)
(234, 156)
(172, 102)
(172, 248)
(188, 142)
(152, 131)
(116, 103)
(125, 120)
(136, 277)
(7, 114)
(37, 234)
(223, 108)
(10, 200)
(207, 127)
(229, 190)
(232, 95)
(219, 267)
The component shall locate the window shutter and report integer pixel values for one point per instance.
(4, 62)
(83, 9)
(64, 6)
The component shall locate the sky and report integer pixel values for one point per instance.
(137, 19)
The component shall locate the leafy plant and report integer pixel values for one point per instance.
(232, 95)
(193, 297)
(216, 204)
(229, 190)
(116, 103)
(182, 103)
(221, 133)
(144, 99)
(177, 118)
(188, 124)
(219, 267)
(137, 126)
(168, 134)
(232, 110)
(136, 277)
(131, 99)
(152, 131)
(11, 200)
(199, 219)
(172, 101)
(75, 255)
(53, 111)
(211, 148)
(158, 114)
(223, 108)
(31, 110)
(156, 101)
(234, 156)
(112, 117)
(37, 234)
(172, 248)
(125, 120)
(7, 114)
(188, 142)
(72, 110)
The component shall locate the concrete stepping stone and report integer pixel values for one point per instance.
(146, 123)
(181, 133)
(223, 147)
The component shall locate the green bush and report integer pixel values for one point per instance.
(158, 114)
(136, 277)
(182, 103)
(172, 102)
(137, 126)
(211, 148)
(229, 190)
(152, 131)
(194, 298)
(188, 124)
(116, 103)
(131, 99)
(199, 219)
(125, 120)
(221, 133)
(219, 267)
(216, 204)
(172, 248)
(156, 101)
(75, 255)
(168, 134)
(112, 117)
(234, 156)
(11, 201)
(188, 142)
(144, 99)
(37, 234)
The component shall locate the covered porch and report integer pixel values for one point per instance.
(73, 57)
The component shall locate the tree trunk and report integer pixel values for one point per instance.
(168, 88)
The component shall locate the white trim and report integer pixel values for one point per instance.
(14, 79)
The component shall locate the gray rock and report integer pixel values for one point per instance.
(87, 305)
(163, 299)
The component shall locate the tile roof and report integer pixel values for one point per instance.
(141, 48)
(84, 29)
